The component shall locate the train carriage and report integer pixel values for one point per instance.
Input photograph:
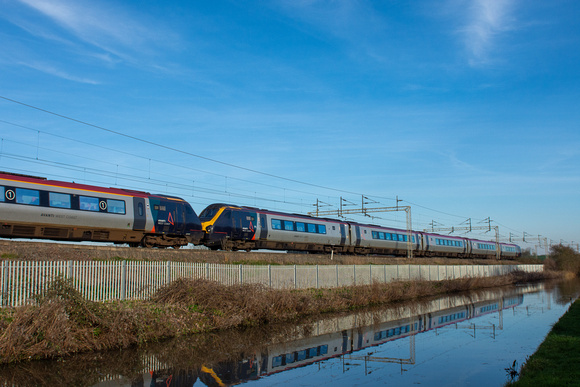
(444, 245)
(481, 249)
(33, 207)
(371, 239)
(245, 228)
(510, 250)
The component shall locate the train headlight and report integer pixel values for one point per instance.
(209, 229)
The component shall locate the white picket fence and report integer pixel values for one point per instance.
(128, 280)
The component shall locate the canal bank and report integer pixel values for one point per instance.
(62, 322)
(463, 339)
(556, 362)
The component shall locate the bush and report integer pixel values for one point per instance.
(565, 258)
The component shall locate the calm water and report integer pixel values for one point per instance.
(465, 340)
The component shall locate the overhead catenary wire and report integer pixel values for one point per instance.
(173, 149)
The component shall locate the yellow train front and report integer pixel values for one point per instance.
(230, 227)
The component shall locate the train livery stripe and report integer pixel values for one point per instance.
(80, 187)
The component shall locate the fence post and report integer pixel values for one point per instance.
(69, 270)
(4, 294)
(270, 275)
(337, 276)
(124, 280)
(317, 284)
(241, 276)
(295, 284)
(354, 274)
(168, 272)
(207, 270)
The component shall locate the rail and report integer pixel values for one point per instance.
(128, 280)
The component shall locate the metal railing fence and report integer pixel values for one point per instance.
(129, 280)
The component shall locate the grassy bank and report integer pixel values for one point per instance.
(556, 362)
(61, 321)
(41, 251)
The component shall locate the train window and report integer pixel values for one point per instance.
(300, 227)
(321, 229)
(375, 235)
(1, 194)
(208, 213)
(382, 235)
(388, 236)
(88, 203)
(27, 196)
(116, 206)
(311, 227)
(277, 361)
(59, 200)
(276, 224)
(288, 225)
(140, 209)
(323, 349)
(301, 355)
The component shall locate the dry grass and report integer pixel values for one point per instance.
(62, 322)
(42, 251)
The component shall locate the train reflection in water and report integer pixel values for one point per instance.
(343, 336)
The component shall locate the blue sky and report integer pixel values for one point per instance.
(462, 109)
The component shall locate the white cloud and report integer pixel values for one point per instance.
(103, 25)
(485, 21)
(49, 69)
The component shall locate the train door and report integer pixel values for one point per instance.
(263, 227)
(357, 228)
(168, 215)
(139, 217)
(342, 234)
(244, 223)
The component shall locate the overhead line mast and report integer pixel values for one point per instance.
(365, 210)
(470, 228)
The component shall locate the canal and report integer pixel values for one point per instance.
(461, 340)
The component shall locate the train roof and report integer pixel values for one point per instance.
(63, 184)
(276, 212)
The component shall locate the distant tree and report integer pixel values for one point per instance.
(565, 258)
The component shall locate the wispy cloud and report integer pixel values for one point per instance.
(485, 22)
(102, 25)
(49, 69)
(355, 22)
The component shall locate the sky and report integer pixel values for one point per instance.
(466, 111)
